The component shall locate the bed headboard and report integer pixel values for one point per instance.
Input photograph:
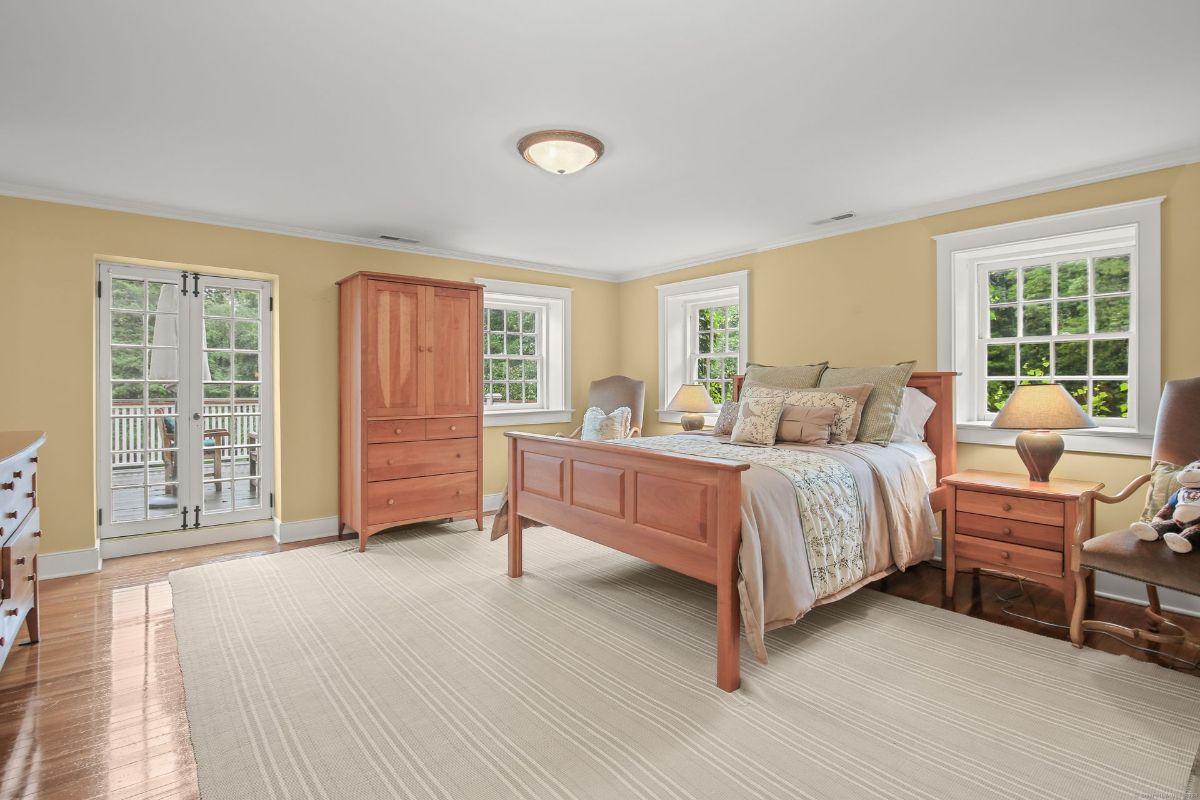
(940, 433)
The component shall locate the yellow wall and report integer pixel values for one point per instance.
(47, 342)
(861, 298)
(870, 298)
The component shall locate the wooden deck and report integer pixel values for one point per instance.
(129, 501)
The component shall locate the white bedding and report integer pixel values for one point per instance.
(924, 457)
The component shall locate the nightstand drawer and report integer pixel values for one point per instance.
(1014, 557)
(1044, 512)
(1031, 534)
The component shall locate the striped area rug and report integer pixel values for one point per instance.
(419, 670)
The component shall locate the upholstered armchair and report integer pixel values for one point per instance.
(1176, 441)
(609, 394)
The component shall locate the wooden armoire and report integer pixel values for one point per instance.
(411, 415)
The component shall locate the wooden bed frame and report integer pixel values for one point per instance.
(680, 512)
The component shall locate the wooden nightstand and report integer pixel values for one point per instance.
(1009, 524)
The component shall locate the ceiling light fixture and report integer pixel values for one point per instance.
(560, 152)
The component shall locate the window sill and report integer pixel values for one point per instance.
(1108, 441)
(539, 416)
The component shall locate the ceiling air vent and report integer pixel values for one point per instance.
(836, 218)
(387, 237)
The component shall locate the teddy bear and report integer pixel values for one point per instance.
(1178, 522)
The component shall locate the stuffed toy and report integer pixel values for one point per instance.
(1178, 522)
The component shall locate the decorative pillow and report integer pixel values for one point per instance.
(726, 419)
(806, 425)
(805, 376)
(915, 410)
(600, 427)
(883, 406)
(1164, 481)
(846, 405)
(757, 421)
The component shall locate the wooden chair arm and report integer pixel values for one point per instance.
(635, 431)
(1087, 505)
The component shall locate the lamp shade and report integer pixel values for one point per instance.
(1043, 406)
(692, 398)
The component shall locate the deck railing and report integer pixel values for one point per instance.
(134, 432)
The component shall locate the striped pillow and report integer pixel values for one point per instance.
(883, 406)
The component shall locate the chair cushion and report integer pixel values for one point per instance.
(1123, 553)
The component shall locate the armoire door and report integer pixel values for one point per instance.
(393, 364)
(452, 348)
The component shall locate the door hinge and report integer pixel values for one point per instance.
(196, 518)
(99, 288)
(271, 501)
(99, 517)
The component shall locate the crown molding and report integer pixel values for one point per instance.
(1174, 158)
(105, 203)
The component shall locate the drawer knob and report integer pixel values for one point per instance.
(12, 612)
(11, 515)
(391, 462)
(37, 534)
(457, 492)
(1006, 506)
(1006, 531)
(20, 561)
(391, 501)
(8, 486)
(18, 473)
(399, 431)
(453, 427)
(31, 495)
(458, 455)
(1004, 554)
(32, 578)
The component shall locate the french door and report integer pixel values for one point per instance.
(185, 429)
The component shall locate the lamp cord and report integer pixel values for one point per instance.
(1006, 607)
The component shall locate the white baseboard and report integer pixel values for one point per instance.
(1115, 587)
(491, 502)
(68, 563)
(305, 529)
(119, 547)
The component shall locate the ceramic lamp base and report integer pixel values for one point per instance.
(692, 422)
(1040, 450)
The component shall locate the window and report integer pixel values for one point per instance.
(526, 348)
(1057, 299)
(702, 336)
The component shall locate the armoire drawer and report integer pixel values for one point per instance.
(395, 430)
(450, 427)
(18, 559)
(413, 459)
(16, 494)
(418, 498)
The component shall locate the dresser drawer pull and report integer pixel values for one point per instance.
(1006, 506)
(391, 501)
(8, 486)
(18, 473)
(31, 495)
(32, 578)
(1006, 531)
(11, 515)
(20, 561)
(37, 534)
(12, 612)
(453, 427)
(458, 455)
(399, 431)
(1004, 554)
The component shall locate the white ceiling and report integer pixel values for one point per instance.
(729, 126)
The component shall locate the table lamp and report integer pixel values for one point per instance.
(693, 400)
(1038, 410)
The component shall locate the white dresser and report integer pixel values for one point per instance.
(20, 532)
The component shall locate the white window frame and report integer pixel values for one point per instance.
(552, 307)
(963, 257)
(678, 304)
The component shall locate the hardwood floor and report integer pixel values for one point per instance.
(97, 709)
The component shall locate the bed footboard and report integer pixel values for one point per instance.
(676, 511)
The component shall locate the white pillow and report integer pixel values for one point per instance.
(600, 427)
(915, 409)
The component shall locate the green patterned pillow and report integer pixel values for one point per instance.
(883, 406)
(805, 376)
(1164, 481)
